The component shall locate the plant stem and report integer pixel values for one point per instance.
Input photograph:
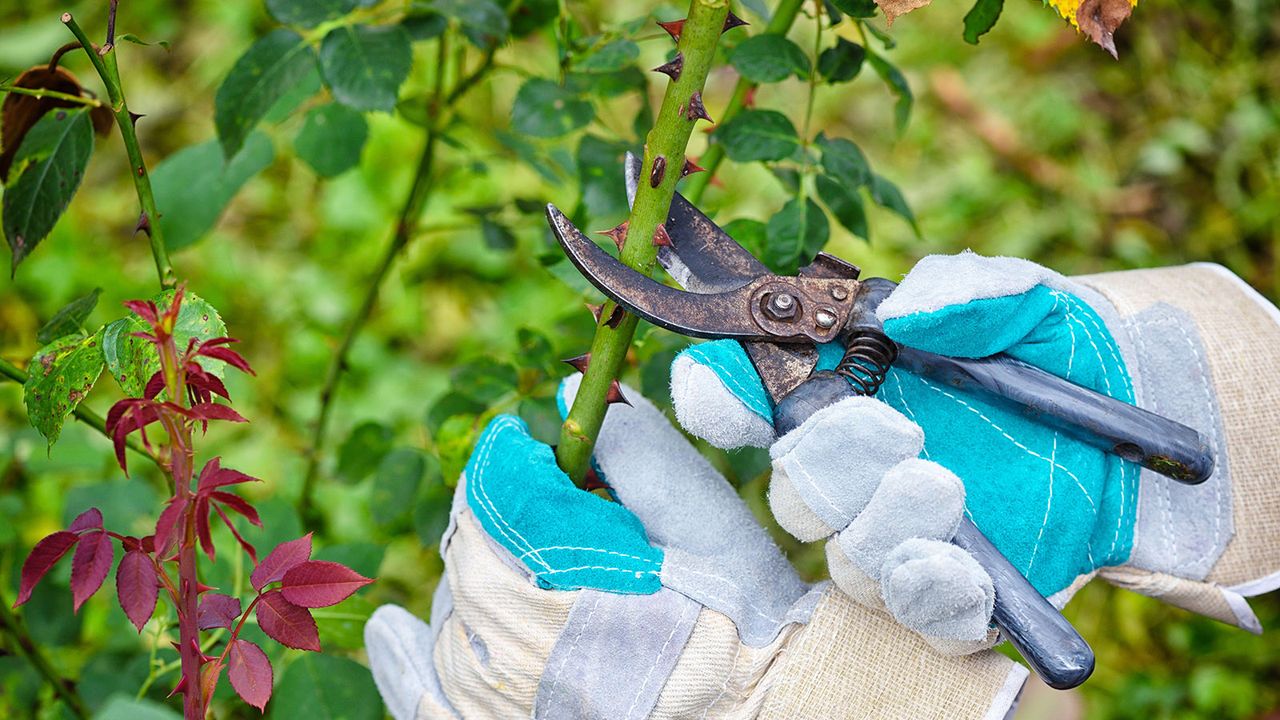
(83, 414)
(667, 140)
(783, 18)
(16, 629)
(406, 228)
(104, 61)
(42, 93)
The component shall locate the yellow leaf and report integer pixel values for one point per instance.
(1098, 19)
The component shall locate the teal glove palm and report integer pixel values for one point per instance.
(1057, 508)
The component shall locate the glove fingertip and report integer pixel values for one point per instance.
(727, 410)
(938, 590)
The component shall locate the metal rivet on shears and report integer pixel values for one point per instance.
(825, 318)
(782, 306)
(839, 294)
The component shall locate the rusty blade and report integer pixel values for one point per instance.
(702, 258)
(710, 315)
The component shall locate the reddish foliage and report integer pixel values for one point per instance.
(218, 611)
(250, 672)
(90, 565)
(286, 623)
(137, 587)
(317, 583)
(284, 557)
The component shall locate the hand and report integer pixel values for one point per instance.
(1060, 510)
(672, 602)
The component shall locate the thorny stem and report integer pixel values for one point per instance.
(405, 230)
(667, 139)
(85, 415)
(104, 61)
(41, 93)
(16, 629)
(783, 18)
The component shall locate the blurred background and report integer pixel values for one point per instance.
(1032, 143)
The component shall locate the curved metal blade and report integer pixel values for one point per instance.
(711, 315)
(702, 257)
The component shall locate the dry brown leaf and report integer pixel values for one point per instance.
(1099, 19)
(20, 112)
(893, 8)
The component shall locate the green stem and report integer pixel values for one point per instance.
(14, 628)
(83, 414)
(406, 229)
(42, 93)
(104, 61)
(667, 140)
(783, 18)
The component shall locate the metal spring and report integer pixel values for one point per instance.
(866, 361)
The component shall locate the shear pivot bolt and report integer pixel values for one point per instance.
(839, 294)
(782, 306)
(825, 318)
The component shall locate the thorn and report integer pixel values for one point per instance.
(617, 234)
(673, 28)
(202, 588)
(591, 481)
(673, 68)
(579, 363)
(615, 395)
(135, 117)
(696, 110)
(181, 687)
(661, 238)
(144, 224)
(732, 22)
(595, 311)
(690, 167)
(658, 172)
(615, 317)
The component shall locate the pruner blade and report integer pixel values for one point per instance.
(769, 307)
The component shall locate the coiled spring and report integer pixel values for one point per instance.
(867, 359)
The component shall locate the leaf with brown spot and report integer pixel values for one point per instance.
(893, 8)
(1099, 20)
(58, 378)
(20, 112)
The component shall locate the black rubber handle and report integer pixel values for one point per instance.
(1053, 649)
(1167, 447)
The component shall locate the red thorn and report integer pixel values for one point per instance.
(201, 587)
(673, 68)
(690, 167)
(615, 395)
(144, 224)
(181, 687)
(658, 172)
(661, 238)
(617, 234)
(673, 28)
(615, 317)
(591, 481)
(579, 363)
(595, 310)
(732, 22)
(696, 110)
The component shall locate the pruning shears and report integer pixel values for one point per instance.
(780, 320)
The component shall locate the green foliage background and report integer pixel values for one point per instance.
(1031, 144)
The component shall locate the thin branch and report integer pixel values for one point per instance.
(104, 61)
(42, 93)
(783, 18)
(13, 626)
(406, 228)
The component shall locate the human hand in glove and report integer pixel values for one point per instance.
(884, 480)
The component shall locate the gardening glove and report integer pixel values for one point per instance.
(1193, 343)
(670, 603)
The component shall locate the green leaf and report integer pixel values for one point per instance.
(484, 23)
(769, 58)
(269, 69)
(485, 380)
(888, 196)
(759, 135)
(395, 485)
(342, 626)
(598, 163)
(132, 361)
(856, 8)
(981, 18)
(610, 57)
(194, 185)
(449, 405)
(544, 109)
(496, 235)
(363, 450)
(841, 62)
(59, 376)
(69, 319)
(48, 167)
(431, 508)
(844, 161)
(898, 84)
(326, 687)
(124, 707)
(454, 440)
(331, 139)
(528, 16)
(794, 235)
(845, 202)
(608, 84)
(308, 13)
(750, 234)
(365, 65)
(424, 25)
